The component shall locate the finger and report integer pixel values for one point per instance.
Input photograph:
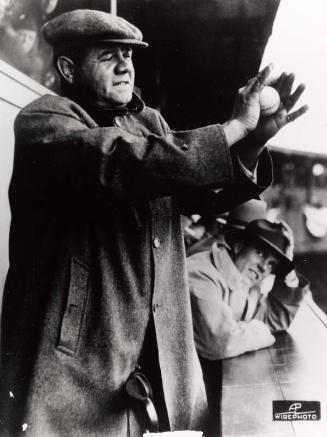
(285, 225)
(286, 88)
(296, 114)
(250, 83)
(280, 82)
(261, 78)
(288, 231)
(293, 98)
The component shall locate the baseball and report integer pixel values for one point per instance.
(269, 100)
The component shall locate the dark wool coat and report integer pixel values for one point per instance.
(96, 247)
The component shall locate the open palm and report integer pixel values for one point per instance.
(268, 126)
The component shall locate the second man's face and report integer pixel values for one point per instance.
(256, 262)
(106, 76)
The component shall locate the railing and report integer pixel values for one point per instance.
(294, 368)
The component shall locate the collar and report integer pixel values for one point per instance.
(223, 262)
(135, 106)
(104, 117)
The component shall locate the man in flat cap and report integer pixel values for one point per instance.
(97, 283)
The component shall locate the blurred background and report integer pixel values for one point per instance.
(201, 52)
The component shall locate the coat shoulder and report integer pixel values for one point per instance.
(48, 102)
(53, 104)
(204, 275)
(153, 121)
(207, 261)
(200, 260)
(201, 270)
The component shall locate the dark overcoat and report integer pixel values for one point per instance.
(96, 248)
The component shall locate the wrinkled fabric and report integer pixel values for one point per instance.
(96, 252)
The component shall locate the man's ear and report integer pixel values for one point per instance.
(237, 247)
(66, 68)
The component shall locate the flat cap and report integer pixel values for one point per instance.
(88, 25)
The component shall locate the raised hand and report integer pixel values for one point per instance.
(288, 233)
(247, 107)
(268, 126)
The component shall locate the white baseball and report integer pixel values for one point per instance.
(269, 100)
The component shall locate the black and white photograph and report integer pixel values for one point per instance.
(163, 218)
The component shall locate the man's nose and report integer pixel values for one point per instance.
(123, 64)
(263, 266)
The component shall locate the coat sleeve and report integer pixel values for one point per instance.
(239, 190)
(279, 308)
(55, 140)
(216, 333)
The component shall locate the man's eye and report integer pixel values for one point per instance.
(128, 54)
(272, 265)
(260, 253)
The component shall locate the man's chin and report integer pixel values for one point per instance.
(121, 100)
(252, 281)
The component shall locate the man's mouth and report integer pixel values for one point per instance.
(122, 83)
(254, 274)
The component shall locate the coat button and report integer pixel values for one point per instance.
(156, 242)
(155, 307)
(184, 146)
